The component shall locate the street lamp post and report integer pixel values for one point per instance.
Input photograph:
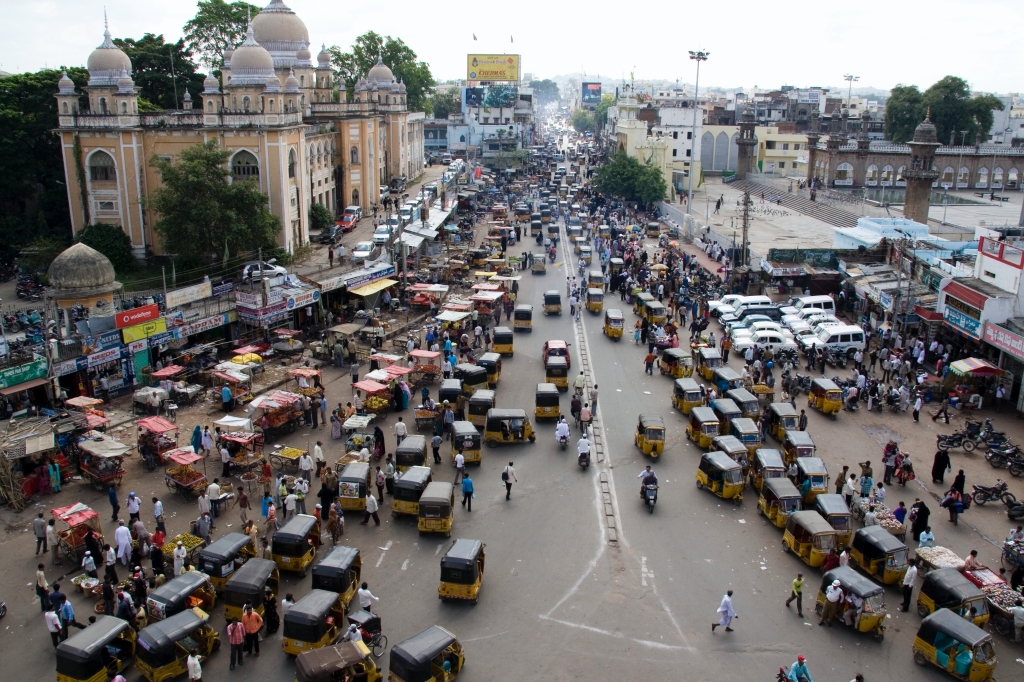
(849, 78)
(697, 56)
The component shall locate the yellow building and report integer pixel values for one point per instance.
(272, 110)
(631, 137)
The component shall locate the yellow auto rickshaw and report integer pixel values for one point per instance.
(947, 588)
(586, 254)
(557, 372)
(746, 401)
(294, 544)
(734, 447)
(960, 648)
(811, 479)
(676, 363)
(450, 391)
(339, 572)
(492, 363)
(595, 300)
(779, 498)
(97, 653)
(765, 464)
(595, 279)
(552, 302)
(577, 243)
(613, 323)
(547, 399)
(871, 613)
(434, 655)
(650, 434)
(875, 551)
(655, 312)
(604, 231)
(809, 536)
(160, 653)
(654, 230)
(313, 622)
(506, 426)
(353, 486)
(615, 265)
(186, 591)
(348, 660)
(782, 418)
(466, 441)
(411, 452)
(686, 395)
(437, 508)
(708, 360)
(825, 396)
(501, 340)
(480, 402)
(726, 410)
(725, 379)
(462, 571)
(720, 474)
(796, 444)
(539, 265)
(522, 317)
(220, 559)
(747, 432)
(833, 508)
(471, 376)
(703, 426)
(248, 584)
(408, 489)
(640, 301)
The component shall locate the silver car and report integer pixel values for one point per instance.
(257, 270)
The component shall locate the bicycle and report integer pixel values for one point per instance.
(378, 644)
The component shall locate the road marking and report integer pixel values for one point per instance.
(644, 572)
(438, 550)
(382, 554)
(405, 564)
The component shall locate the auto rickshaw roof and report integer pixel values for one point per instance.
(616, 261)
(418, 651)
(949, 623)
(557, 361)
(595, 274)
(524, 307)
(221, 549)
(884, 541)
(323, 664)
(355, 471)
(799, 438)
(482, 395)
(613, 314)
(452, 385)
(463, 428)
(340, 558)
(726, 373)
(501, 331)
(462, 554)
(178, 589)
(654, 305)
(413, 443)
(651, 420)
(297, 527)
(644, 296)
(553, 293)
(468, 370)
(703, 414)
(720, 460)
(547, 388)
(811, 465)
(728, 443)
(414, 477)
(675, 354)
(783, 410)
(492, 358)
(780, 487)
(164, 633)
(366, 620)
(592, 291)
(831, 503)
(686, 384)
(710, 353)
(505, 413)
(725, 405)
(740, 395)
(313, 608)
(811, 521)
(745, 425)
(437, 491)
(770, 457)
(825, 384)
(851, 581)
(83, 645)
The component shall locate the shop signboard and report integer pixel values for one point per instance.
(302, 297)
(331, 283)
(356, 279)
(160, 339)
(258, 317)
(591, 93)
(957, 319)
(175, 318)
(492, 67)
(130, 318)
(885, 300)
(104, 356)
(1005, 340)
(138, 346)
(197, 292)
(249, 299)
(145, 330)
(70, 367)
(203, 325)
(12, 376)
(224, 287)
(104, 341)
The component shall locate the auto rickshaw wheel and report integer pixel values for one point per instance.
(699, 486)
(785, 547)
(923, 611)
(737, 501)
(533, 438)
(492, 443)
(818, 608)
(835, 415)
(919, 658)
(879, 636)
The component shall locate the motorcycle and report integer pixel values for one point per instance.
(1015, 511)
(650, 497)
(564, 442)
(551, 255)
(955, 440)
(1015, 463)
(583, 459)
(998, 456)
(989, 493)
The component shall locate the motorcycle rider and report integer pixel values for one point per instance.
(583, 450)
(798, 671)
(579, 383)
(585, 416)
(562, 430)
(647, 477)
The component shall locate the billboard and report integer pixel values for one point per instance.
(474, 97)
(591, 93)
(492, 67)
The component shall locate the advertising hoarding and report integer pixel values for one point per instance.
(591, 93)
(492, 67)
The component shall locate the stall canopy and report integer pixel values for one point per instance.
(95, 421)
(425, 354)
(156, 425)
(74, 514)
(251, 348)
(307, 372)
(369, 386)
(274, 400)
(451, 316)
(247, 358)
(232, 376)
(104, 448)
(167, 372)
(374, 287)
(975, 367)
(83, 401)
(183, 456)
(23, 386)
(412, 240)
(235, 423)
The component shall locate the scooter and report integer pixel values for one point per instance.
(583, 460)
(564, 442)
(650, 497)
(955, 440)
(1015, 511)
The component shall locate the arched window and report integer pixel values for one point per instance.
(997, 178)
(844, 174)
(900, 180)
(302, 81)
(209, 105)
(64, 107)
(355, 197)
(982, 181)
(887, 176)
(1012, 179)
(102, 168)
(272, 104)
(234, 103)
(947, 176)
(291, 105)
(963, 177)
(353, 155)
(291, 163)
(124, 107)
(103, 105)
(246, 104)
(244, 166)
(871, 177)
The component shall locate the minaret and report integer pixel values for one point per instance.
(920, 175)
(746, 155)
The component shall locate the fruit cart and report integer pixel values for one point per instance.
(102, 461)
(160, 434)
(236, 379)
(358, 430)
(283, 457)
(73, 522)
(281, 410)
(378, 397)
(427, 367)
(883, 515)
(309, 380)
(193, 544)
(245, 449)
(182, 478)
(425, 419)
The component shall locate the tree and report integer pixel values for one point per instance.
(624, 176)
(446, 103)
(112, 242)
(601, 111)
(217, 26)
(320, 217)
(950, 106)
(349, 67)
(202, 213)
(162, 71)
(901, 113)
(546, 91)
(582, 121)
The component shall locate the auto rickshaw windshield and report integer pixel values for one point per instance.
(733, 476)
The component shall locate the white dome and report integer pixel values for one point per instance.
(291, 84)
(211, 85)
(107, 61)
(66, 85)
(251, 64)
(276, 24)
(380, 72)
(125, 84)
(324, 58)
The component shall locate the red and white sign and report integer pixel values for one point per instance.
(1004, 340)
(129, 318)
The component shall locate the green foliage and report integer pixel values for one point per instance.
(500, 96)
(217, 26)
(546, 91)
(601, 111)
(201, 213)
(320, 217)
(152, 61)
(952, 108)
(349, 67)
(40, 253)
(446, 103)
(624, 176)
(32, 180)
(112, 242)
(582, 121)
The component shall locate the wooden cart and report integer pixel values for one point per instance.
(73, 521)
(102, 461)
(286, 457)
(181, 478)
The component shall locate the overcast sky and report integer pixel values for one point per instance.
(906, 41)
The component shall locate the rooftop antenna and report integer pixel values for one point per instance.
(174, 77)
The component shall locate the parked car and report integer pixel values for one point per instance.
(758, 326)
(354, 210)
(331, 235)
(257, 270)
(385, 192)
(364, 251)
(733, 326)
(382, 234)
(763, 339)
(348, 222)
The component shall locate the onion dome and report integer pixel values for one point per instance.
(107, 61)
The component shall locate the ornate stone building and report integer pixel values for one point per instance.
(272, 108)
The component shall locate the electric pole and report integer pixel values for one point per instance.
(746, 225)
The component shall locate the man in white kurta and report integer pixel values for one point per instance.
(179, 558)
(123, 540)
(727, 613)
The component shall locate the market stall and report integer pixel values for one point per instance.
(239, 382)
(157, 435)
(102, 460)
(193, 546)
(73, 522)
(181, 478)
(358, 430)
(284, 457)
(427, 366)
(246, 450)
(281, 411)
(967, 382)
(883, 515)
(933, 558)
(309, 380)
(1000, 597)
(378, 397)
(149, 400)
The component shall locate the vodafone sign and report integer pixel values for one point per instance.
(129, 318)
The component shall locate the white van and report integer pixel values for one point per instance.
(747, 301)
(820, 302)
(847, 338)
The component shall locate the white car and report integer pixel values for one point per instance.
(257, 270)
(354, 210)
(725, 300)
(382, 234)
(760, 326)
(763, 339)
(735, 325)
(364, 251)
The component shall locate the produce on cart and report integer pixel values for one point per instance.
(281, 410)
(182, 478)
(309, 380)
(1013, 554)
(193, 545)
(1001, 598)
(245, 450)
(425, 419)
(73, 522)
(359, 431)
(160, 435)
(378, 397)
(939, 557)
(427, 365)
(283, 457)
(102, 460)
(883, 515)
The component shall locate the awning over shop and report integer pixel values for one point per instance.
(235, 423)
(411, 240)
(374, 287)
(451, 316)
(975, 367)
(22, 387)
(104, 448)
(167, 372)
(156, 425)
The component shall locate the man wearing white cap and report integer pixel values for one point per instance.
(123, 540)
(89, 565)
(179, 558)
(833, 600)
